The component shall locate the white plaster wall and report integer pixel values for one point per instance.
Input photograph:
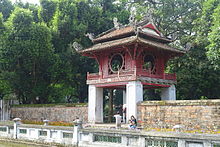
(134, 94)
(124, 97)
(95, 104)
(168, 93)
(99, 105)
(191, 144)
(91, 103)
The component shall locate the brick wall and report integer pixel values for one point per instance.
(67, 114)
(190, 114)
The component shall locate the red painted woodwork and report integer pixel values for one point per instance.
(112, 85)
(133, 64)
(156, 85)
(151, 26)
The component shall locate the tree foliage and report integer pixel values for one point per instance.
(6, 8)
(189, 21)
(214, 32)
(28, 57)
(39, 65)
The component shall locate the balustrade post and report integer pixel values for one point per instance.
(181, 143)
(77, 126)
(17, 121)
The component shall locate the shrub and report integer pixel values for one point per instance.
(52, 123)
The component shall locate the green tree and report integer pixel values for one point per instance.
(214, 39)
(4, 86)
(47, 10)
(213, 8)
(38, 60)
(28, 57)
(189, 22)
(196, 77)
(6, 8)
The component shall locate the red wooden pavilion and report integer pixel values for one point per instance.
(131, 57)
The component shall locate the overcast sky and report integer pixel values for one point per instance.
(30, 1)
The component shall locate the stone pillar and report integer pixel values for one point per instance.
(207, 144)
(168, 93)
(16, 123)
(181, 143)
(2, 109)
(48, 135)
(124, 107)
(46, 122)
(124, 140)
(91, 138)
(124, 97)
(95, 104)
(134, 94)
(60, 135)
(76, 135)
(141, 142)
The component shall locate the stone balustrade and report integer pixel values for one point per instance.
(107, 137)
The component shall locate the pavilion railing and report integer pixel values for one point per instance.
(165, 76)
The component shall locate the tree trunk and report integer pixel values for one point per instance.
(110, 105)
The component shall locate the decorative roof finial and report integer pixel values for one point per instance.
(149, 15)
(174, 36)
(116, 24)
(77, 46)
(188, 46)
(90, 35)
(132, 20)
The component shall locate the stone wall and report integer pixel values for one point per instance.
(67, 114)
(203, 115)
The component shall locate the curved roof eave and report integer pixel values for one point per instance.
(129, 40)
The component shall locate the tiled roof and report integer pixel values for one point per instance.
(142, 33)
(127, 41)
(127, 31)
(160, 39)
(115, 33)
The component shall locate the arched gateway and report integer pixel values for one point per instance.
(132, 57)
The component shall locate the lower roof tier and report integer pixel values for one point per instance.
(128, 41)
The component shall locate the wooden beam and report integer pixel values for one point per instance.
(127, 49)
(153, 84)
(135, 50)
(111, 85)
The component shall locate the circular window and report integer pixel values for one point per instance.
(149, 62)
(116, 62)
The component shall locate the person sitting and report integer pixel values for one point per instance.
(133, 122)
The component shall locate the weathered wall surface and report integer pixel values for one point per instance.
(189, 114)
(67, 114)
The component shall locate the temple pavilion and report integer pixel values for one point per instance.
(131, 57)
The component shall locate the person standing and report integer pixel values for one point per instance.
(118, 120)
(124, 109)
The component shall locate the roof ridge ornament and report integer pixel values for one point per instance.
(147, 18)
(188, 46)
(77, 46)
(116, 23)
(174, 36)
(90, 35)
(149, 15)
(132, 20)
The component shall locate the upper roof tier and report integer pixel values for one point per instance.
(144, 32)
(148, 30)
